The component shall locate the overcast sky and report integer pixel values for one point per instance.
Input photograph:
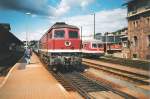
(110, 15)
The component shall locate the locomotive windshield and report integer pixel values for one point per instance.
(73, 34)
(59, 34)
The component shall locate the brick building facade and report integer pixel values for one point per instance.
(139, 28)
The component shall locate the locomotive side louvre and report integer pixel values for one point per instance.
(61, 46)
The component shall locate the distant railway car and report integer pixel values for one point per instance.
(92, 48)
(113, 47)
(60, 46)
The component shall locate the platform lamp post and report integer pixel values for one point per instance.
(27, 30)
(106, 34)
(94, 24)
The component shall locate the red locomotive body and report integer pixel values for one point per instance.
(60, 47)
(92, 48)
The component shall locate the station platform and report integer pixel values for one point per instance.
(32, 81)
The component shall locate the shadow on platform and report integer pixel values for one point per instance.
(23, 64)
(22, 60)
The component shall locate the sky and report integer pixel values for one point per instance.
(110, 16)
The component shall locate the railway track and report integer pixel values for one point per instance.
(4, 71)
(86, 86)
(76, 81)
(63, 82)
(134, 77)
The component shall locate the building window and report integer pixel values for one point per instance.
(148, 20)
(136, 23)
(148, 40)
(134, 55)
(135, 41)
(133, 23)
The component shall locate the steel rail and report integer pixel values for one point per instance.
(84, 85)
(82, 92)
(125, 95)
(132, 76)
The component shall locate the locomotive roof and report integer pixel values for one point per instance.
(63, 25)
(60, 25)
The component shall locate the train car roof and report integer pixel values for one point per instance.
(5, 26)
(63, 25)
(93, 41)
(8, 37)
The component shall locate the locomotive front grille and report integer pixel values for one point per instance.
(65, 58)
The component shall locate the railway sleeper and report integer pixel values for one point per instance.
(125, 95)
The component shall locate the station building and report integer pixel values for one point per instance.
(138, 17)
(8, 41)
(125, 52)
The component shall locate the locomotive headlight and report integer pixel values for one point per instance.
(67, 43)
(67, 60)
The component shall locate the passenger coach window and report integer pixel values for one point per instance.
(94, 45)
(100, 45)
(73, 34)
(59, 34)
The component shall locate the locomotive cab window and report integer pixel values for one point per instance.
(73, 34)
(59, 34)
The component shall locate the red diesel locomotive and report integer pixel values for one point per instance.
(60, 46)
(92, 48)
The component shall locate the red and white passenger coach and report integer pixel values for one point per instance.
(92, 48)
(60, 46)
